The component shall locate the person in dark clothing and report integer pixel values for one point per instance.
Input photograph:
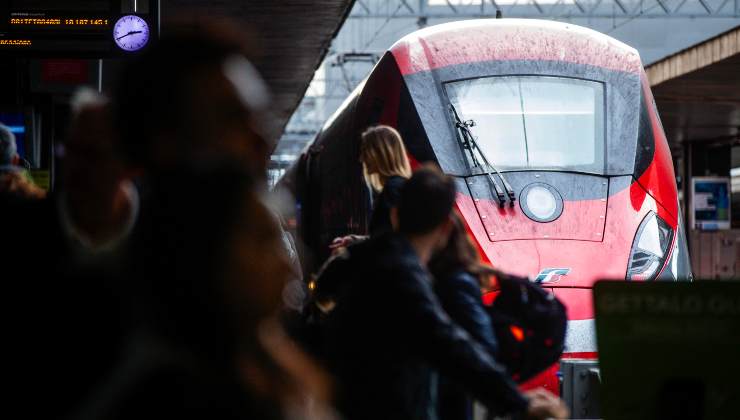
(385, 167)
(387, 334)
(63, 324)
(458, 279)
(66, 320)
(206, 265)
(204, 108)
(207, 275)
(385, 201)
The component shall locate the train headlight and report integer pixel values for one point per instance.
(541, 202)
(650, 248)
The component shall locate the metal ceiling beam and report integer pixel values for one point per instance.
(559, 16)
(663, 6)
(561, 9)
(706, 6)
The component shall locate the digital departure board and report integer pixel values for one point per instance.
(76, 28)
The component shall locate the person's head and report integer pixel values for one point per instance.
(459, 254)
(426, 202)
(8, 152)
(383, 155)
(92, 171)
(193, 99)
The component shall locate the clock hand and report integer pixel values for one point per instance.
(130, 33)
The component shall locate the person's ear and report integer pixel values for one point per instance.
(394, 218)
(15, 160)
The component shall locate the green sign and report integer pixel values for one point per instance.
(668, 349)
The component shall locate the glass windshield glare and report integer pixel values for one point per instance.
(535, 122)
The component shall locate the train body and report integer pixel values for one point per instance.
(550, 130)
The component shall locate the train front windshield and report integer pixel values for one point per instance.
(535, 122)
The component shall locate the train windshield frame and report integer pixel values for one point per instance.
(535, 122)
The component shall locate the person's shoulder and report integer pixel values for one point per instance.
(386, 256)
(459, 280)
(395, 182)
(393, 186)
(403, 267)
(392, 247)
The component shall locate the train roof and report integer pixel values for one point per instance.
(511, 39)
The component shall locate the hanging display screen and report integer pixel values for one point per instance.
(69, 28)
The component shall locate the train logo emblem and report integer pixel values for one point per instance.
(551, 275)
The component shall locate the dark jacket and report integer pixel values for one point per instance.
(161, 380)
(380, 220)
(388, 335)
(460, 295)
(64, 328)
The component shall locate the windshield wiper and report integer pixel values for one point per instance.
(469, 143)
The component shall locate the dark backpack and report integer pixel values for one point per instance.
(529, 324)
(327, 285)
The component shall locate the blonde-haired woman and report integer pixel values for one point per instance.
(386, 167)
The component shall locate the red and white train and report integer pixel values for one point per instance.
(552, 135)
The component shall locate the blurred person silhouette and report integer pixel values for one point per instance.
(193, 99)
(8, 149)
(203, 109)
(386, 333)
(207, 275)
(98, 202)
(295, 292)
(95, 206)
(459, 277)
(206, 265)
(13, 183)
(385, 166)
(68, 323)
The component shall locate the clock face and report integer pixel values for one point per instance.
(131, 33)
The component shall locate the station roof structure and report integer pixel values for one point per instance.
(293, 38)
(696, 90)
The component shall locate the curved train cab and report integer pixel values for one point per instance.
(551, 133)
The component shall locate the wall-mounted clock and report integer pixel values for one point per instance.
(131, 33)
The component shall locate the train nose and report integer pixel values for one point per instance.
(567, 207)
